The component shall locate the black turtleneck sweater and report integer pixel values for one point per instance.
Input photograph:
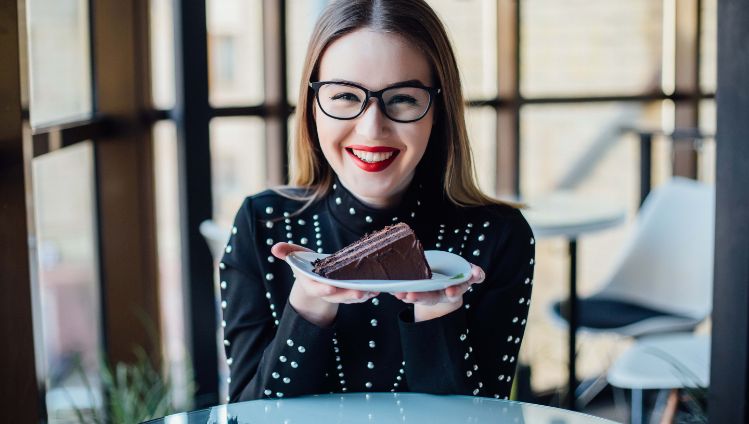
(375, 346)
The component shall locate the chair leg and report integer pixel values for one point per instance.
(669, 412)
(636, 413)
(620, 400)
(589, 389)
(659, 409)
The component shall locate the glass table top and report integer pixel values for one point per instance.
(353, 408)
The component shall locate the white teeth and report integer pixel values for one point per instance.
(372, 157)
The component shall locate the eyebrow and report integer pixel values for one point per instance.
(411, 81)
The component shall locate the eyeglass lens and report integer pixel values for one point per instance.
(401, 103)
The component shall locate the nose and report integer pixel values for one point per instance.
(371, 123)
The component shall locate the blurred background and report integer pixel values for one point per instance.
(145, 118)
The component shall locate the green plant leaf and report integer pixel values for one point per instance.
(136, 391)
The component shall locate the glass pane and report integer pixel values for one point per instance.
(482, 130)
(238, 163)
(68, 277)
(708, 46)
(472, 28)
(162, 53)
(235, 52)
(59, 61)
(169, 254)
(301, 16)
(707, 153)
(662, 148)
(663, 152)
(581, 148)
(708, 117)
(576, 48)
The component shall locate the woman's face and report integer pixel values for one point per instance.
(373, 156)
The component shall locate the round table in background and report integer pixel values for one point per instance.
(570, 215)
(369, 408)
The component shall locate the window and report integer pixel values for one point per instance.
(235, 45)
(59, 61)
(68, 280)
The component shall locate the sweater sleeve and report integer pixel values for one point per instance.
(474, 349)
(271, 350)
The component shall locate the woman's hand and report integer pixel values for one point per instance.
(434, 304)
(317, 302)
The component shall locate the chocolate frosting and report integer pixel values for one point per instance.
(395, 257)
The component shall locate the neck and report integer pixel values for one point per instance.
(383, 202)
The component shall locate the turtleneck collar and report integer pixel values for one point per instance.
(361, 218)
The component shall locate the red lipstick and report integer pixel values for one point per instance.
(372, 166)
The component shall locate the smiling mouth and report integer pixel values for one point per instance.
(372, 158)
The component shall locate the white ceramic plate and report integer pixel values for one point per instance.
(447, 269)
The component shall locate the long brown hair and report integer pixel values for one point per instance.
(448, 157)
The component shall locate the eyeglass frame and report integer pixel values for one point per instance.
(433, 92)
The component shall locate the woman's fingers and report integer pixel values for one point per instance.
(421, 298)
(335, 294)
(317, 289)
(454, 292)
(281, 250)
(477, 275)
(350, 296)
(425, 298)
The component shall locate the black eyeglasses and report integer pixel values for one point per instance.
(402, 102)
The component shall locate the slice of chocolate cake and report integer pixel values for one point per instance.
(393, 253)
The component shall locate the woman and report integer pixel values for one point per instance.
(380, 138)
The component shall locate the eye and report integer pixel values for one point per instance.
(402, 98)
(351, 97)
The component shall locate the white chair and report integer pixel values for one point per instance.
(215, 236)
(673, 361)
(662, 281)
